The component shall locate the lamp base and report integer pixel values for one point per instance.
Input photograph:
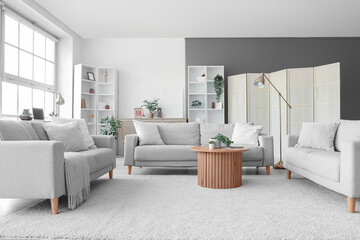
(279, 165)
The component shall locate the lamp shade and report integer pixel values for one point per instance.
(60, 100)
(260, 81)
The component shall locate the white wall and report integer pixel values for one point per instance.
(147, 68)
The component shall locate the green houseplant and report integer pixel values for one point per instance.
(224, 139)
(196, 103)
(110, 126)
(211, 144)
(151, 106)
(219, 90)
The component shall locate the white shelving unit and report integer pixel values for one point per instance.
(201, 88)
(105, 93)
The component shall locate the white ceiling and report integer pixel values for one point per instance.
(208, 18)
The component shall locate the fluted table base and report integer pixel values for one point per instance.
(220, 169)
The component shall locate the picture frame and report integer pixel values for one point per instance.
(91, 76)
(138, 112)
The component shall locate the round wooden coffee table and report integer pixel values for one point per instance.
(219, 168)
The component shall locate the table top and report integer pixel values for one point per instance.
(217, 150)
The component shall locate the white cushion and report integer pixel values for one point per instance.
(88, 140)
(317, 135)
(347, 130)
(69, 134)
(246, 134)
(148, 133)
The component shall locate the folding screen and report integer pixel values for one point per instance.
(237, 98)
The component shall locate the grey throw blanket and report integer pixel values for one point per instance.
(77, 179)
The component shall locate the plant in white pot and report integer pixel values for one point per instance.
(219, 90)
(151, 106)
(211, 144)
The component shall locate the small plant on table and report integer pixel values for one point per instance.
(224, 139)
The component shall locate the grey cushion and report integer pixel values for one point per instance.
(27, 125)
(325, 164)
(40, 131)
(165, 153)
(11, 130)
(210, 130)
(347, 130)
(180, 133)
(254, 153)
(98, 158)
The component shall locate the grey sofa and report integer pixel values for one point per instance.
(31, 166)
(338, 170)
(180, 137)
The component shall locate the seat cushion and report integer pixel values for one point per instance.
(98, 158)
(347, 130)
(254, 153)
(210, 130)
(180, 133)
(165, 153)
(298, 156)
(325, 164)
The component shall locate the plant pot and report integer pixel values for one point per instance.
(211, 146)
(158, 114)
(217, 143)
(151, 115)
(213, 105)
(218, 105)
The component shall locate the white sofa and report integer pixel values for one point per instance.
(180, 137)
(337, 170)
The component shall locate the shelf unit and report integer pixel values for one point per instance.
(105, 93)
(204, 91)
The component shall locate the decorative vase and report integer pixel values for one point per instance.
(106, 76)
(213, 105)
(211, 145)
(91, 90)
(107, 107)
(151, 115)
(217, 143)
(26, 115)
(218, 105)
(158, 114)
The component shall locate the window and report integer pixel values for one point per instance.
(29, 68)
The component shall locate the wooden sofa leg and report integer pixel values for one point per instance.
(111, 174)
(267, 170)
(288, 173)
(129, 170)
(54, 205)
(351, 204)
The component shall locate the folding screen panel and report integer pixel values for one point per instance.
(327, 93)
(237, 111)
(300, 83)
(279, 79)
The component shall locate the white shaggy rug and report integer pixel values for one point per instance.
(175, 207)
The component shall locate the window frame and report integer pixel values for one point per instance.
(17, 80)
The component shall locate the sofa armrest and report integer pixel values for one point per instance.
(105, 141)
(131, 141)
(291, 140)
(32, 169)
(267, 143)
(350, 169)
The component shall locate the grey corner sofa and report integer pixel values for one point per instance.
(337, 170)
(32, 167)
(180, 137)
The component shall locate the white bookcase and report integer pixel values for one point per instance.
(105, 93)
(201, 88)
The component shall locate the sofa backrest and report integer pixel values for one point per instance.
(347, 130)
(180, 133)
(210, 130)
(11, 130)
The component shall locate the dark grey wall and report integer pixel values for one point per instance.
(252, 55)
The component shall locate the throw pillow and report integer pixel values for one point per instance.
(88, 140)
(40, 131)
(317, 135)
(69, 134)
(148, 133)
(246, 134)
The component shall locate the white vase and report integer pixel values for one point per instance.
(218, 105)
(217, 143)
(211, 145)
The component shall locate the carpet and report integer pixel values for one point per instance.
(145, 206)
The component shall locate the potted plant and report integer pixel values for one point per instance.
(196, 104)
(110, 126)
(219, 90)
(211, 144)
(158, 112)
(224, 139)
(151, 106)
